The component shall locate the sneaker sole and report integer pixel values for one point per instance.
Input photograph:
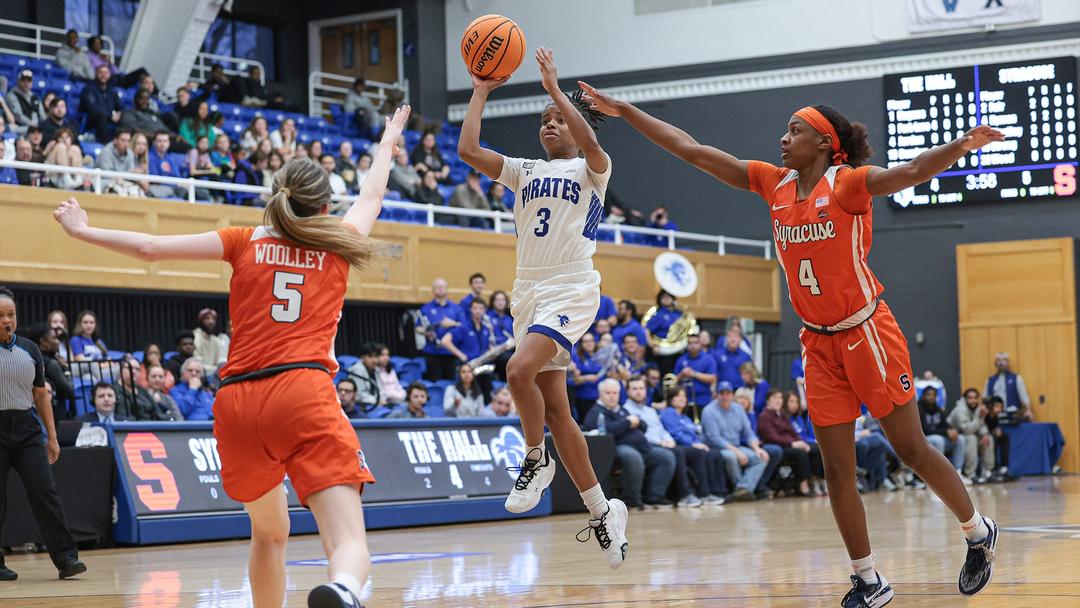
(882, 600)
(993, 547)
(325, 597)
(625, 547)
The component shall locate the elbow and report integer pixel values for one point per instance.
(146, 252)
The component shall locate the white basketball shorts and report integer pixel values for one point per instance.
(559, 302)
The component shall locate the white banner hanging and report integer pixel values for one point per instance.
(933, 15)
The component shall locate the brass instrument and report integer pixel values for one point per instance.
(677, 335)
(672, 384)
(676, 275)
(483, 364)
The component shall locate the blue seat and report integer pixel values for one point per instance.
(435, 410)
(445, 192)
(399, 362)
(168, 355)
(435, 395)
(347, 361)
(379, 412)
(138, 355)
(116, 354)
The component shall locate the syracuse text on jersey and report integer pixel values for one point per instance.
(275, 254)
(802, 233)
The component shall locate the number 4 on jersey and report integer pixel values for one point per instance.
(807, 278)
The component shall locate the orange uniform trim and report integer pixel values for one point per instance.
(817, 120)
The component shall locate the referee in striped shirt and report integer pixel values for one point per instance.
(22, 386)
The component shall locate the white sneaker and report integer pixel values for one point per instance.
(610, 532)
(964, 478)
(691, 501)
(534, 475)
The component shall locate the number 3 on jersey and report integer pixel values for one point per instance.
(544, 214)
(807, 278)
(284, 289)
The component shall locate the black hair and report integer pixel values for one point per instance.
(995, 399)
(37, 331)
(477, 275)
(636, 378)
(592, 117)
(7, 293)
(629, 306)
(415, 386)
(628, 334)
(660, 294)
(71, 31)
(325, 155)
(854, 136)
(474, 389)
(369, 349)
(349, 380)
(971, 390)
(930, 388)
(491, 300)
(180, 336)
(56, 100)
(100, 385)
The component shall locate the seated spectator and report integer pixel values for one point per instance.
(85, 344)
(426, 157)
(496, 196)
(660, 220)
(698, 368)
(584, 372)
(57, 320)
(208, 347)
(366, 376)
(404, 179)
(24, 151)
(729, 359)
(751, 379)
(222, 158)
(362, 110)
(428, 192)
(57, 119)
(142, 117)
(363, 167)
(147, 84)
(72, 58)
(636, 457)
(346, 392)
(712, 484)
(946, 440)
(602, 328)
(969, 419)
(727, 428)
(929, 378)
(185, 107)
(300, 152)
(477, 283)
(200, 166)
(501, 406)
(37, 141)
(871, 455)
(469, 195)
(994, 420)
(64, 151)
(24, 103)
(653, 384)
(100, 103)
(626, 323)
(744, 398)
(159, 164)
(9, 149)
(435, 319)
(117, 156)
(7, 174)
(249, 91)
(706, 341)
(471, 339)
(633, 359)
(274, 163)
(283, 139)
(159, 383)
(192, 128)
(795, 411)
(104, 402)
(465, 398)
(251, 171)
(345, 167)
(391, 392)
(45, 338)
(97, 58)
(337, 184)
(315, 149)
(774, 427)
(414, 406)
(133, 400)
(192, 395)
(637, 404)
(1010, 386)
(217, 82)
(185, 349)
(257, 131)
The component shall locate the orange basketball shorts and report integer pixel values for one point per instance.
(868, 364)
(289, 423)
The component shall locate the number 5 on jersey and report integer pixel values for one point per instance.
(807, 278)
(284, 283)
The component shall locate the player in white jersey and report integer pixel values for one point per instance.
(558, 206)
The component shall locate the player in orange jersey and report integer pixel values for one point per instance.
(853, 350)
(277, 411)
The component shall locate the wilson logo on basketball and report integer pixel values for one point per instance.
(489, 53)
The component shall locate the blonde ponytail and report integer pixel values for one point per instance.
(299, 192)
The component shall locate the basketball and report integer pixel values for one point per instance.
(493, 46)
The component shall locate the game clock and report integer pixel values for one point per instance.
(1034, 103)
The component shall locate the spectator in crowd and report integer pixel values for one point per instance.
(104, 402)
(795, 411)
(363, 167)
(501, 406)
(283, 139)
(465, 398)
(414, 407)
(159, 383)
(200, 166)
(637, 403)
(315, 149)
(626, 323)
(496, 196)
(428, 192)
(404, 178)
(469, 195)
(9, 149)
(24, 104)
(257, 131)
(751, 379)
(995, 417)
(37, 141)
(222, 158)
(363, 112)
(208, 347)
(133, 400)
(100, 103)
(735, 324)
(633, 355)
(140, 147)
(744, 399)
(1009, 385)
(72, 58)
(775, 428)
(477, 283)
(345, 166)
(45, 338)
(24, 151)
(217, 82)
(607, 312)
(706, 342)
(798, 376)
(727, 428)
(7, 174)
(194, 127)
(698, 368)
(192, 395)
(337, 184)
(427, 158)
(117, 156)
(502, 328)
(142, 117)
(98, 58)
(159, 164)
(185, 349)
(151, 358)
(391, 392)
(346, 392)
(86, 344)
(250, 91)
(366, 376)
(929, 378)
(730, 358)
(252, 171)
(147, 84)
(969, 420)
(274, 163)
(601, 327)
(935, 426)
(301, 151)
(657, 329)
(653, 384)
(57, 320)
(637, 458)
(472, 338)
(63, 150)
(437, 318)
(57, 119)
(186, 106)
(712, 484)
(584, 371)
(871, 455)
(660, 220)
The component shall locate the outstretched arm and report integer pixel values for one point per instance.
(583, 134)
(488, 162)
(147, 247)
(365, 209)
(715, 162)
(925, 166)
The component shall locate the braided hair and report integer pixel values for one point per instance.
(592, 117)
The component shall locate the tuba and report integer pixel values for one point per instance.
(676, 275)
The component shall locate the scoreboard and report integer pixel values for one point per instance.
(1033, 103)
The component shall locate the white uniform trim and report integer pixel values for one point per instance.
(874, 349)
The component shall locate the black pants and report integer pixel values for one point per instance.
(1001, 449)
(689, 459)
(22, 449)
(101, 125)
(440, 367)
(799, 461)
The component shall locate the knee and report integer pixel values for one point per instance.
(519, 372)
(275, 534)
(912, 451)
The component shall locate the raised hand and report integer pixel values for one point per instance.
(71, 217)
(549, 74)
(979, 137)
(601, 101)
(396, 124)
(486, 85)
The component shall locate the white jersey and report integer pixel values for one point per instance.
(557, 209)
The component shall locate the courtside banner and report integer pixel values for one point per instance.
(935, 15)
(174, 468)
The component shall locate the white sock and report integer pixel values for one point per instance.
(595, 501)
(975, 529)
(530, 448)
(348, 581)
(865, 569)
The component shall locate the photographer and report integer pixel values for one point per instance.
(660, 220)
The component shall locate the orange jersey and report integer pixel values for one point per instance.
(822, 240)
(285, 301)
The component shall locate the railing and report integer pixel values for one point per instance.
(41, 41)
(325, 88)
(502, 222)
(232, 66)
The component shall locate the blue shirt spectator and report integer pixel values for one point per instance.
(661, 322)
(626, 323)
(472, 338)
(477, 282)
(7, 176)
(680, 426)
(729, 359)
(655, 432)
(88, 348)
(699, 367)
(587, 378)
(442, 316)
(726, 425)
(606, 310)
(503, 324)
(195, 401)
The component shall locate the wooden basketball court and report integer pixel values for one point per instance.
(781, 553)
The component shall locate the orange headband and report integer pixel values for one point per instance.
(822, 125)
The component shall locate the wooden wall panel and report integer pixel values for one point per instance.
(1019, 297)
